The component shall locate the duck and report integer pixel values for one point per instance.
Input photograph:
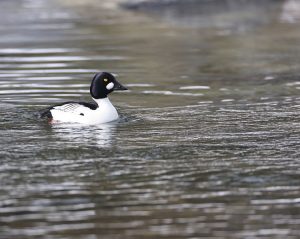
(98, 112)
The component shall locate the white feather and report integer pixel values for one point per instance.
(77, 113)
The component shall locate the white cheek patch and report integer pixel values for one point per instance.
(110, 86)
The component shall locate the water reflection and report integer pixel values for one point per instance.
(290, 11)
(78, 134)
(210, 143)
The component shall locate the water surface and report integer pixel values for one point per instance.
(208, 140)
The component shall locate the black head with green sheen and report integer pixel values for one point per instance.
(104, 83)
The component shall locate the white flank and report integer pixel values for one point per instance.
(76, 113)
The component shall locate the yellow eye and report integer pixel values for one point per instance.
(105, 80)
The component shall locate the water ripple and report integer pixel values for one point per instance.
(208, 141)
(61, 58)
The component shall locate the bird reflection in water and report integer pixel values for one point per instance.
(290, 11)
(97, 135)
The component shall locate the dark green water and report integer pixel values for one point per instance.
(207, 145)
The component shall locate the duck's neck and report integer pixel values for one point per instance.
(103, 101)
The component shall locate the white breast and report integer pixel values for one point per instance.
(77, 113)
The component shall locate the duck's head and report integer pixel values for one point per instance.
(104, 83)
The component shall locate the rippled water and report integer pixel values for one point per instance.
(208, 140)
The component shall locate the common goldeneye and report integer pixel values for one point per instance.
(102, 111)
